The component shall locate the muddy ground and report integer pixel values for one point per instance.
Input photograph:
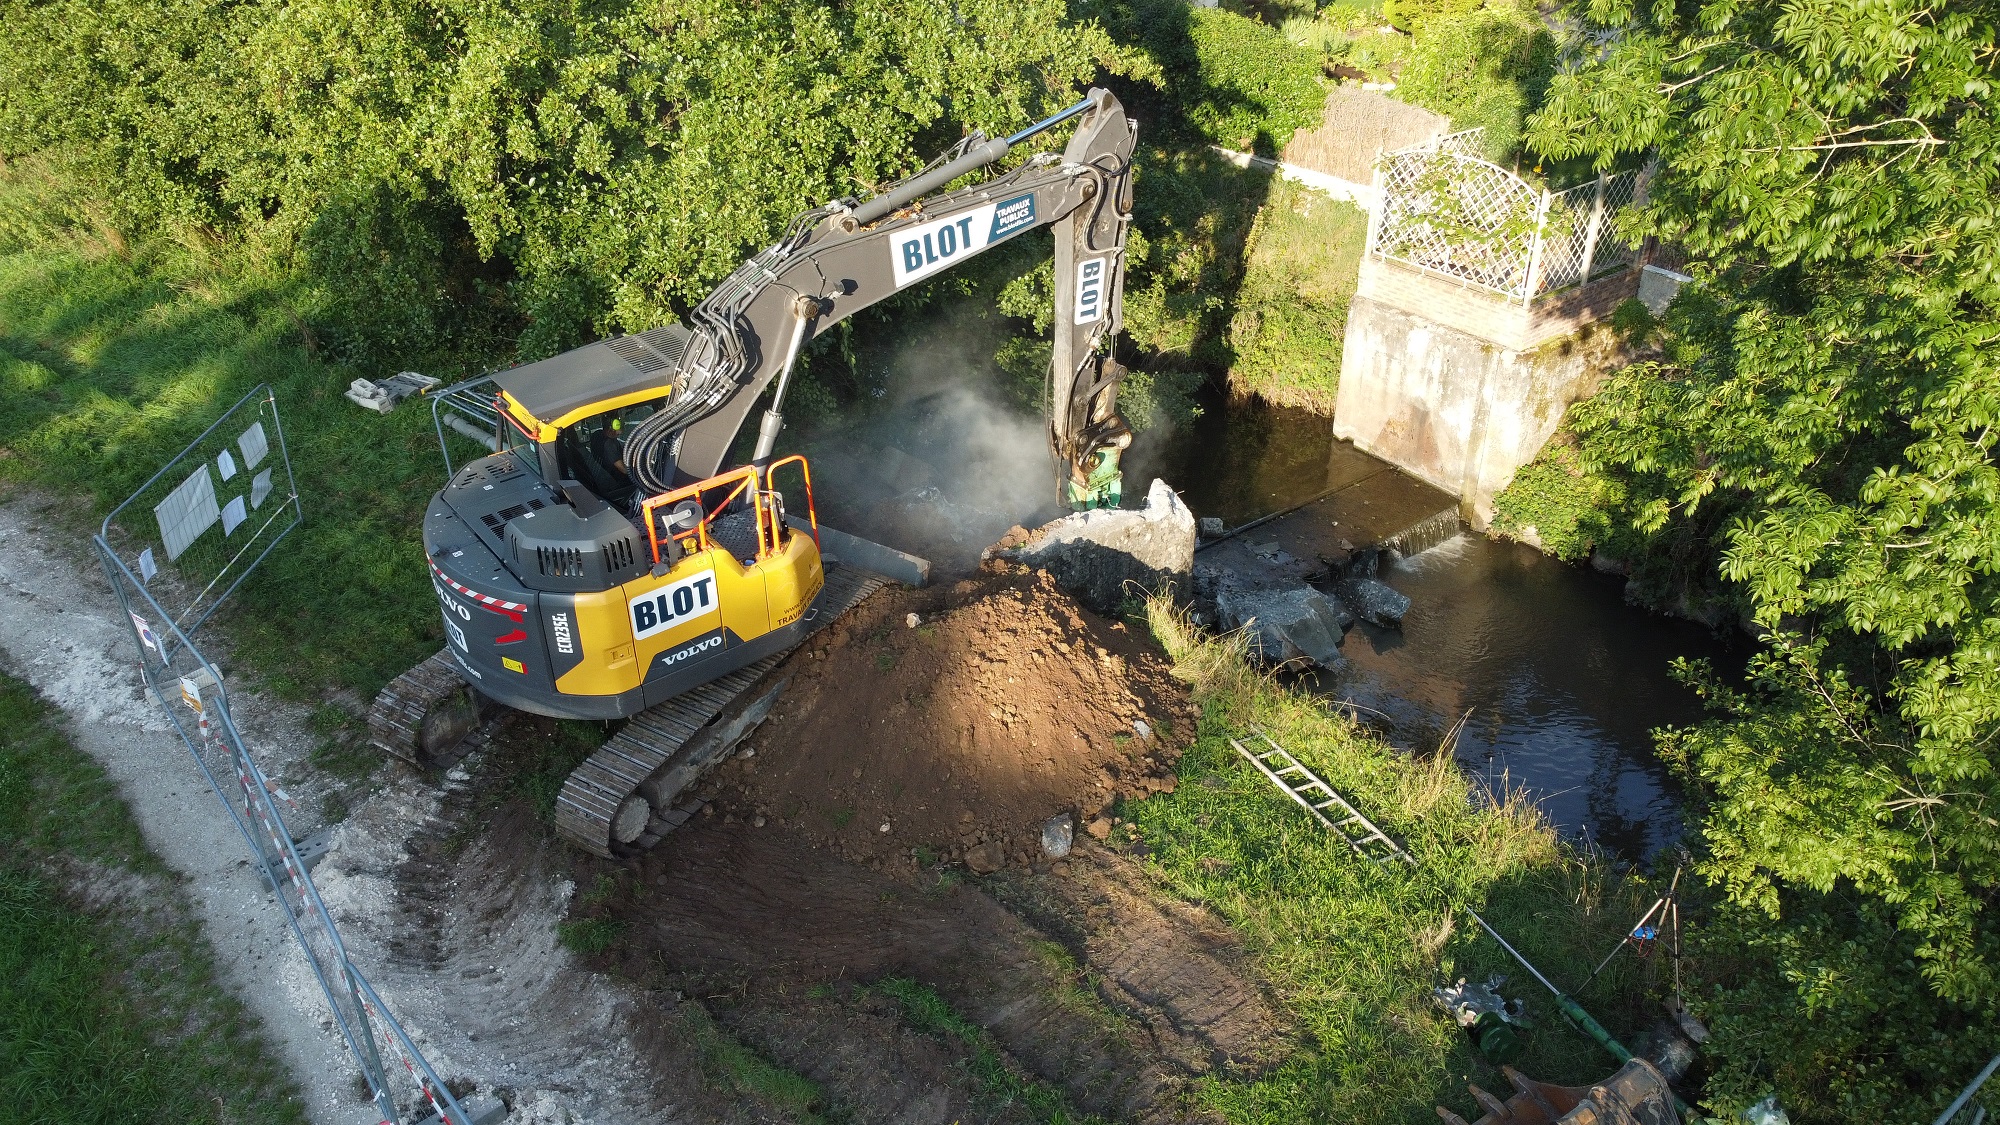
(449, 889)
(781, 912)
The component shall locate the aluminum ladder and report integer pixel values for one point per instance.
(1372, 844)
(1322, 801)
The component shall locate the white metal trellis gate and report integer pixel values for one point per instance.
(1446, 210)
(170, 573)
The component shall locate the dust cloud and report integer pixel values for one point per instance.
(942, 463)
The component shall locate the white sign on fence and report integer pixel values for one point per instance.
(187, 511)
(253, 445)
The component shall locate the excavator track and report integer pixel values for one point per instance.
(425, 714)
(620, 801)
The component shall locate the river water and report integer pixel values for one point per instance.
(1562, 680)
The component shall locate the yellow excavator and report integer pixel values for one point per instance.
(600, 564)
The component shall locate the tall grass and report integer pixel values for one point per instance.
(1352, 948)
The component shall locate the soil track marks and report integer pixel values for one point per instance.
(751, 910)
(1008, 705)
(1174, 967)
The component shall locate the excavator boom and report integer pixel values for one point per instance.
(840, 258)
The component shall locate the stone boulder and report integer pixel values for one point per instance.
(1376, 603)
(1285, 625)
(1104, 556)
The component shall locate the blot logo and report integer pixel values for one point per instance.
(1090, 290)
(678, 603)
(926, 248)
(559, 629)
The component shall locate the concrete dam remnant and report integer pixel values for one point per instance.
(1471, 330)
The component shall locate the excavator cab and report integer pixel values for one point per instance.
(568, 590)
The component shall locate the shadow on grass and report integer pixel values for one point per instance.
(109, 365)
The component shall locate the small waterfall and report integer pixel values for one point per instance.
(1425, 533)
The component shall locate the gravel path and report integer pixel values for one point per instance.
(494, 1000)
(59, 632)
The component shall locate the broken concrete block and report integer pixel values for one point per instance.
(1376, 603)
(1210, 527)
(1058, 835)
(1104, 556)
(1285, 625)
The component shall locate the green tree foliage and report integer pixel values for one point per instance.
(588, 167)
(1223, 78)
(1484, 67)
(1256, 88)
(1413, 16)
(1827, 403)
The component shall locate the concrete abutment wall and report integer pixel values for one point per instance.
(1460, 388)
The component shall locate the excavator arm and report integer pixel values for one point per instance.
(840, 258)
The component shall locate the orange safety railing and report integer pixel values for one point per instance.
(805, 471)
(733, 484)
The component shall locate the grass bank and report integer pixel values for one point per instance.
(1353, 948)
(1290, 319)
(113, 357)
(109, 1006)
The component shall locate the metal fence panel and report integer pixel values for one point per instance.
(209, 516)
(1447, 210)
(164, 604)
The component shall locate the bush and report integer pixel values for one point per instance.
(1556, 504)
(1344, 35)
(1290, 321)
(585, 168)
(1826, 1009)
(1487, 67)
(1256, 88)
(1223, 78)
(1414, 16)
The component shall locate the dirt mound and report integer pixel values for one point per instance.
(1006, 705)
